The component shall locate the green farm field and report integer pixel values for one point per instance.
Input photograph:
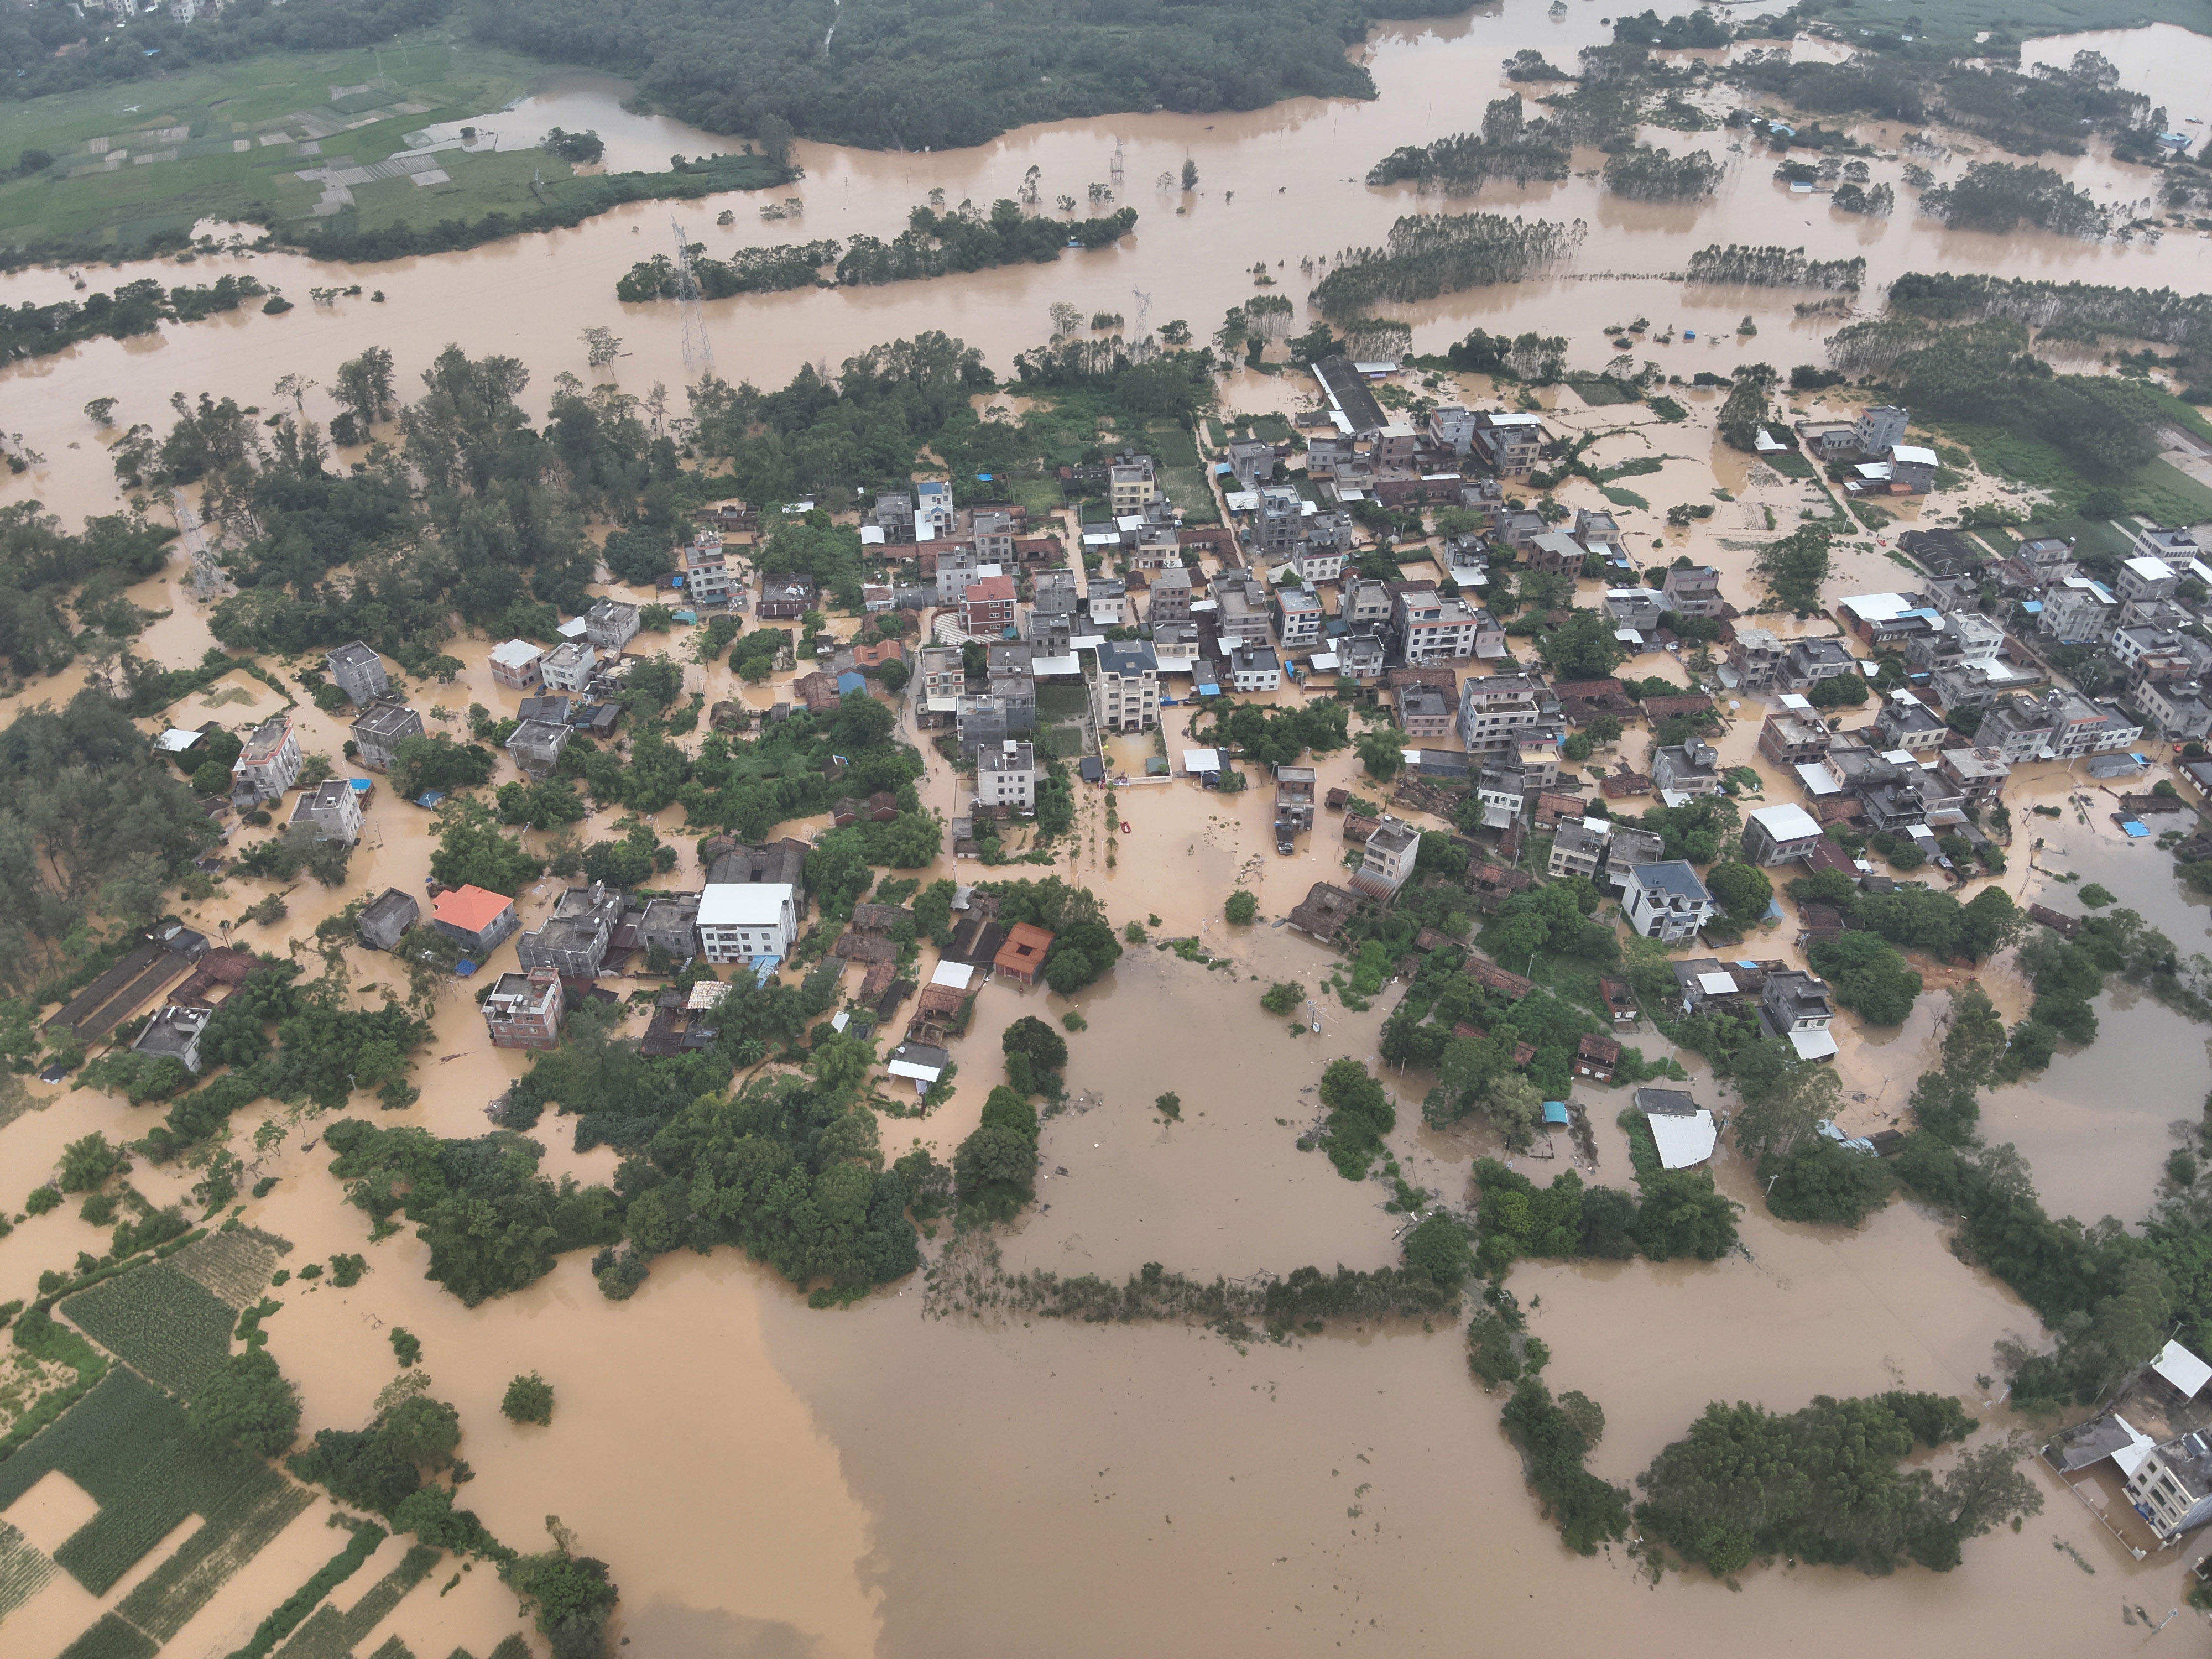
(185, 134)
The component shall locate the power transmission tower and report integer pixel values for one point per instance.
(207, 575)
(698, 355)
(1116, 168)
(1140, 338)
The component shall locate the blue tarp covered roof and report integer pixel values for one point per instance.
(849, 681)
(1555, 1111)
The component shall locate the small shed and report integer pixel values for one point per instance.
(386, 917)
(2183, 1370)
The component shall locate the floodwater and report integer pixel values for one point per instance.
(765, 1479)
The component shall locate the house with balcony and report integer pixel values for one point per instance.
(1432, 628)
(1756, 655)
(1977, 775)
(1168, 599)
(1794, 734)
(1387, 860)
(1509, 443)
(1495, 710)
(1794, 1007)
(1131, 484)
(2171, 1487)
(2079, 610)
(1129, 693)
(1578, 847)
(706, 569)
(1627, 849)
(267, 766)
(1681, 771)
(1694, 591)
(2176, 709)
(986, 607)
(1423, 711)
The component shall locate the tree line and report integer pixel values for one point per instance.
(1773, 267)
(1427, 255)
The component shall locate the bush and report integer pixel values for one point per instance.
(528, 1399)
(1242, 908)
(1283, 996)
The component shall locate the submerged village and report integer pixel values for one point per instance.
(1376, 977)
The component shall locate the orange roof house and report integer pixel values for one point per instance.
(1022, 956)
(477, 918)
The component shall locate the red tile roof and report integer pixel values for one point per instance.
(471, 909)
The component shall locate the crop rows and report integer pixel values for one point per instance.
(161, 1322)
(110, 1638)
(128, 1445)
(25, 1569)
(332, 1634)
(234, 1263)
(241, 1528)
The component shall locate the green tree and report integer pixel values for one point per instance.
(1381, 750)
(1682, 1215)
(1241, 907)
(1782, 1098)
(472, 853)
(1743, 890)
(1867, 976)
(248, 1401)
(1439, 1247)
(1282, 996)
(1582, 647)
(528, 1399)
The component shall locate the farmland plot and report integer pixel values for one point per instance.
(331, 1634)
(168, 1326)
(25, 1569)
(234, 1263)
(110, 1638)
(128, 1446)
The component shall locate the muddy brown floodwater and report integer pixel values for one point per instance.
(768, 1480)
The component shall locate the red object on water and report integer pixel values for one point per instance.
(1125, 826)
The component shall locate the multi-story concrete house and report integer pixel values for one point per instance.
(1451, 427)
(2144, 579)
(739, 922)
(2171, 1487)
(1756, 655)
(1688, 769)
(568, 667)
(1977, 775)
(523, 1011)
(1278, 526)
(331, 809)
(986, 607)
(1794, 734)
(1387, 860)
(1508, 442)
(267, 766)
(517, 665)
(1366, 606)
(609, 625)
(1578, 847)
(1811, 661)
(1425, 712)
(572, 942)
(1169, 598)
(1130, 484)
(1905, 722)
(1795, 1008)
(535, 746)
(359, 672)
(1108, 602)
(1298, 617)
(1432, 628)
(1495, 710)
(2177, 708)
(1694, 591)
(380, 730)
(1055, 592)
(707, 578)
(1006, 776)
(1666, 902)
(2079, 610)
(1255, 668)
(1128, 687)
(993, 533)
(1879, 429)
(1780, 835)
(944, 677)
(1242, 611)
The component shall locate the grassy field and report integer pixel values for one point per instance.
(165, 1325)
(201, 144)
(2022, 20)
(2156, 488)
(2087, 535)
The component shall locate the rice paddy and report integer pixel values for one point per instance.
(168, 1326)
